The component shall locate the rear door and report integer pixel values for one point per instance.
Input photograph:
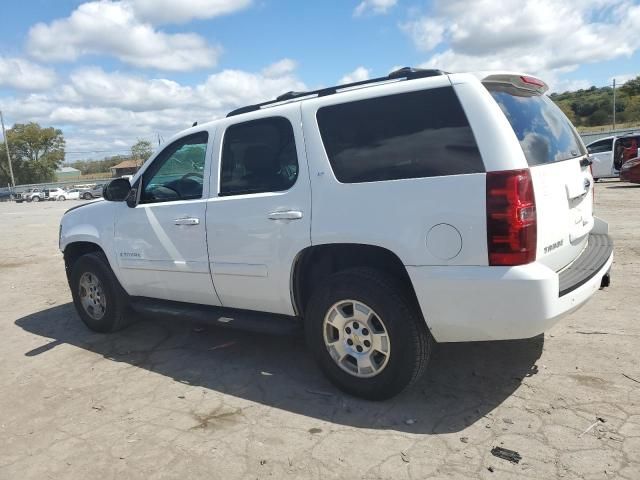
(260, 218)
(602, 155)
(563, 185)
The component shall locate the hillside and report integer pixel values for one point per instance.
(594, 106)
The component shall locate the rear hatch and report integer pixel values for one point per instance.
(563, 187)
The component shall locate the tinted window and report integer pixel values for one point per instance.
(258, 156)
(411, 135)
(545, 134)
(601, 146)
(177, 172)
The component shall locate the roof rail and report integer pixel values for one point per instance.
(406, 73)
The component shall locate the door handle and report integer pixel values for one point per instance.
(187, 221)
(286, 215)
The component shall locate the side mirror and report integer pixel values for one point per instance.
(116, 190)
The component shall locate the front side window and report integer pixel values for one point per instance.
(177, 172)
(258, 156)
(601, 146)
(409, 135)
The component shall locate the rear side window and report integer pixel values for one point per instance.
(544, 133)
(258, 156)
(410, 135)
(601, 146)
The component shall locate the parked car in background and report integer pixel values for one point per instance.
(57, 194)
(38, 195)
(630, 171)
(25, 196)
(610, 153)
(73, 194)
(5, 194)
(94, 192)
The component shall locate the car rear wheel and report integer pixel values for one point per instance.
(61, 198)
(97, 295)
(367, 334)
(86, 196)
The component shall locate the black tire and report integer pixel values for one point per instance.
(35, 199)
(408, 334)
(61, 198)
(86, 196)
(116, 315)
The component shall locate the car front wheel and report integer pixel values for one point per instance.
(97, 295)
(87, 196)
(367, 334)
(35, 199)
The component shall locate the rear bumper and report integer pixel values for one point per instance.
(463, 304)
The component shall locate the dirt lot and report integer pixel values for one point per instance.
(169, 399)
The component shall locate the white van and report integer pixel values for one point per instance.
(608, 154)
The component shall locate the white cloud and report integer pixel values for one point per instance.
(280, 68)
(231, 88)
(25, 75)
(112, 28)
(534, 36)
(93, 85)
(182, 11)
(357, 75)
(426, 33)
(100, 110)
(377, 7)
(562, 85)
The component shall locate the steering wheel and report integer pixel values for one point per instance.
(191, 174)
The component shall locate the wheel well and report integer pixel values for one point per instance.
(316, 263)
(75, 250)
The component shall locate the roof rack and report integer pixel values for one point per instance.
(406, 73)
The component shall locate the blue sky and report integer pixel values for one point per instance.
(111, 71)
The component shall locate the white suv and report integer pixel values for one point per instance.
(382, 215)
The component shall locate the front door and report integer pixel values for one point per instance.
(601, 153)
(162, 243)
(261, 217)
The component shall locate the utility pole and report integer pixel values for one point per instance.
(614, 103)
(6, 144)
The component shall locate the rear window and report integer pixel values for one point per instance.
(410, 135)
(545, 134)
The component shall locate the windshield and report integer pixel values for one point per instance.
(544, 132)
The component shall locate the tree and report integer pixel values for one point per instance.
(599, 117)
(631, 87)
(36, 153)
(142, 149)
(568, 111)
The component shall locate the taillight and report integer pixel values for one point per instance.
(532, 81)
(511, 218)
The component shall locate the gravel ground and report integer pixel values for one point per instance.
(170, 399)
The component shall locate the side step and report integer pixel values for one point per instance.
(249, 320)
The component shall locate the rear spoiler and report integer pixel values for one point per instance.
(517, 80)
